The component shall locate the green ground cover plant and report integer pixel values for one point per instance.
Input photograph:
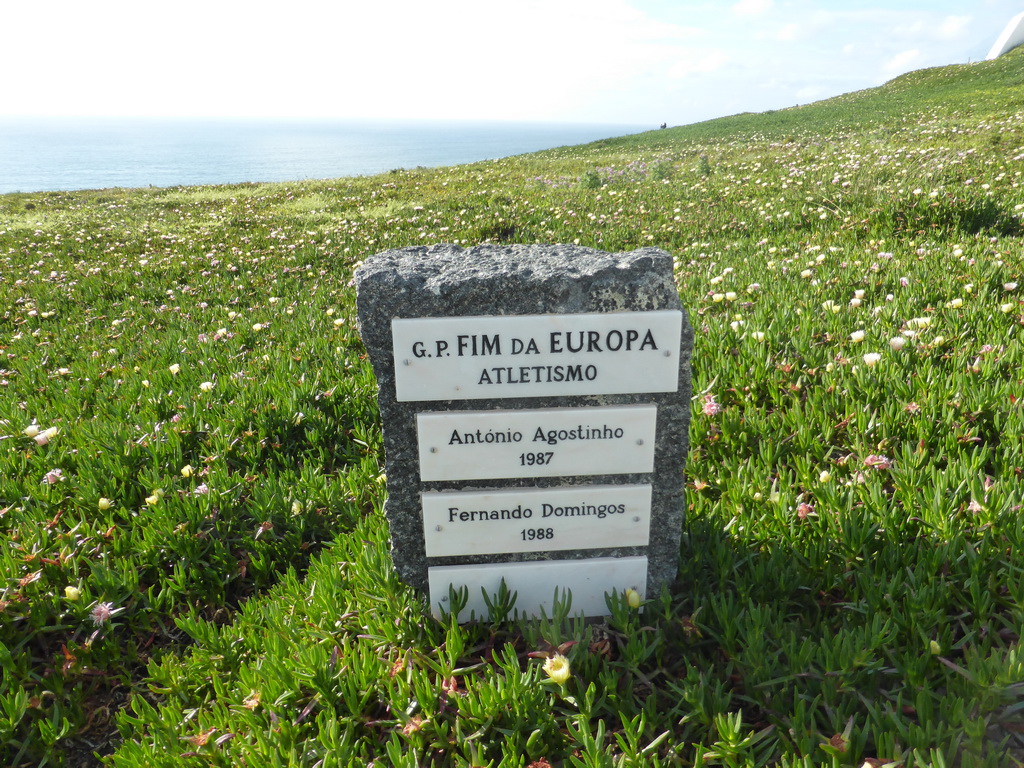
(194, 566)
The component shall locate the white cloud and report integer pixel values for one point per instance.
(901, 62)
(752, 7)
(810, 93)
(788, 33)
(698, 62)
(954, 27)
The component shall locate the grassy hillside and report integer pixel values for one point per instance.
(195, 565)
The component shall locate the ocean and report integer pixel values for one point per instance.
(52, 154)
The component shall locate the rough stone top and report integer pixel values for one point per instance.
(562, 270)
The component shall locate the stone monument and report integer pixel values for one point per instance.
(536, 406)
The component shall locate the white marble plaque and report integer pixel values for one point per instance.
(547, 442)
(471, 358)
(536, 519)
(535, 583)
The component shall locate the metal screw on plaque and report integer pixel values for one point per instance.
(433, 450)
(668, 353)
(444, 599)
(639, 442)
(439, 528)
(635, 520)
(406, 362)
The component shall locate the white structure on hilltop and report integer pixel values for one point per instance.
(1010, 38)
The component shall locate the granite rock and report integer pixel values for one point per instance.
(446, 281)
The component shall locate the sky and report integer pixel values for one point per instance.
(629, 62)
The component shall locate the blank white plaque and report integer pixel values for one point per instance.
(535, 583)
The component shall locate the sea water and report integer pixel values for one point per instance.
(67, 154)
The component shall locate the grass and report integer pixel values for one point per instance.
(195, 567)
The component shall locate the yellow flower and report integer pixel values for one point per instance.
(104, 503)
(633, 598)
(557, 668)
(31, 430)
(186, 471)
(72, 593)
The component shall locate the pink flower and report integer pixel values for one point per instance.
(877, 462)
(711, 408)
(54, 476)
(804, 510)
(101, 613)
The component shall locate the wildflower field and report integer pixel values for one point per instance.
(194, 567)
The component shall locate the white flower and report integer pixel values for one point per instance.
(857, 337)
(806, 274)
(825, 476)
(758, 336)
(919, 322)
(257, 327)
(1005, 308)
(830, 306)
(1009, 286)
(730, 296)
(871, 359)
(897, 343)
(557, 668)
(718, 297)
(206, 386)
(858, 294)
(955, 303)
(31, 430)
(716, 280)
(45, 436)
(855, 302)
(174, 368)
